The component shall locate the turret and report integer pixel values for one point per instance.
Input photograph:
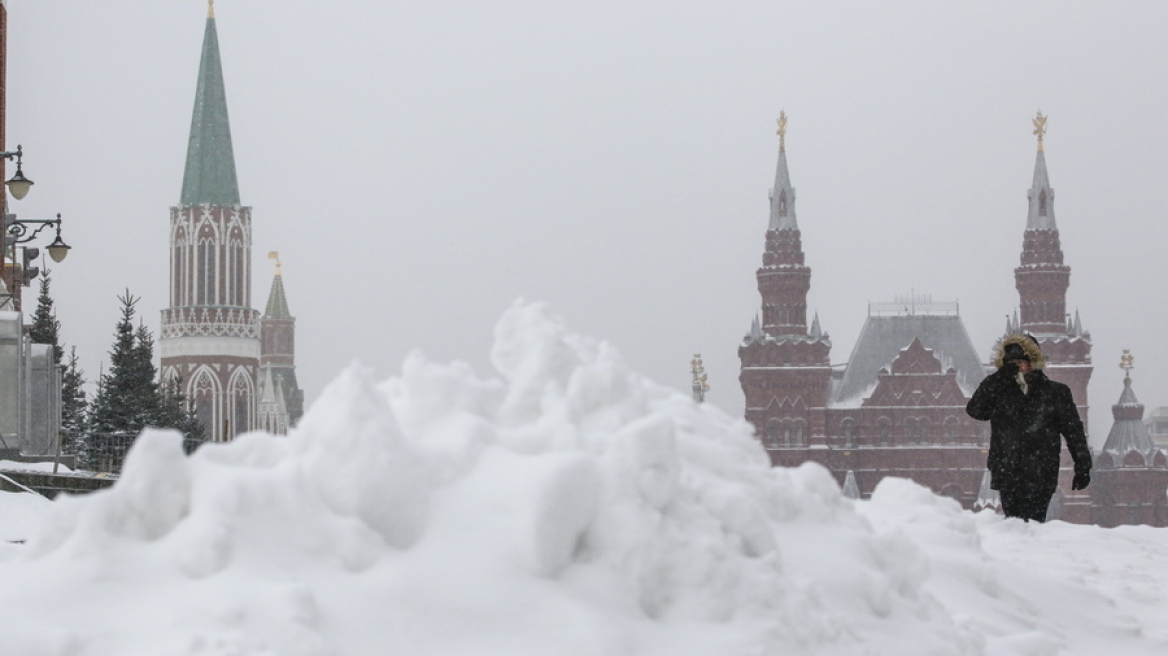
(1130, 478)
(785, 369)
(1042, 280)
(278, 351)
(784, 279)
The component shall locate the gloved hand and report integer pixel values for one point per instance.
(1081, 481)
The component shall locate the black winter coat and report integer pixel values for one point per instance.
(1026, 429)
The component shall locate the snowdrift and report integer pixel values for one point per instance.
(567, 506)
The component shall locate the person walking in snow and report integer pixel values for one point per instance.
(1029, 416)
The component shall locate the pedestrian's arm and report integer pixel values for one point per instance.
(985, 398)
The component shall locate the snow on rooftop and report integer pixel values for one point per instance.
(566, 506)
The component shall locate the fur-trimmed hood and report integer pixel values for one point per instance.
(1037, 359)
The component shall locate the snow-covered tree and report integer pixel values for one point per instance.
(73, 403)
(128, 398)
(45, 328)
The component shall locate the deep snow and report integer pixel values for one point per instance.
(567, 506)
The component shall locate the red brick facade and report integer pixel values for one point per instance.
(897, 408)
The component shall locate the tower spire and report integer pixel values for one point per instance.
(1041, 214)
(783, 194)
(277, 307)
(209, 177)
(1042, 278)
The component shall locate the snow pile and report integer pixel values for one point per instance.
(569, 507)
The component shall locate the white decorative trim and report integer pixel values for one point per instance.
(209, 347)
(200, 321)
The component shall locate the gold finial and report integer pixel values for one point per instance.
(1125, 363)
(782, 130)
(700, 387)
(1039, 127)
(210, 8)
(274, 255)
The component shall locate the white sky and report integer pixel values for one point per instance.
(421, 165)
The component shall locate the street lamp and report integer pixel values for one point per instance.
(18, 185)
(16, 232)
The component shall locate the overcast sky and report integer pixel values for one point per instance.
(419, 166)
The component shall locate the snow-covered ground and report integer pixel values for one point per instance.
(12, 465)
(568, 507)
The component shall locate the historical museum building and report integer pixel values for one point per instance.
(211, 337)
(897, 407)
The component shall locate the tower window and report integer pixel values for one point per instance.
(1042, 203)
(782, 203)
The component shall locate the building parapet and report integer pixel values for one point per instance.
(914, 305)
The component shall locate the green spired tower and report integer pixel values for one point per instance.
(210, 336)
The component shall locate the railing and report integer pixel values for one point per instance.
(106, 452)
(210, 322)
(912, 305)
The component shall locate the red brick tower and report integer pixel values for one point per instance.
(1042, 280)
(281, 401)
(785, 367)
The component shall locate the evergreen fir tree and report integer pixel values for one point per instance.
(45, 328)
(177, 413)
(128, 398)
(73, 403)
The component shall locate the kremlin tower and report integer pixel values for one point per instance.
(210, 336)
(1042, 280)
(281, 401)
(785, 368)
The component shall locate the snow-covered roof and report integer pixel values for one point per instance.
(884, 336)
(1128, 433)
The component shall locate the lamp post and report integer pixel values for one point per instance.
(16, 232)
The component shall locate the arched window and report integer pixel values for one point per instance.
(236, 276)
(773, 433)
(783, 203)
(203, 398)
(1042, 202)
(884, 430)
(923, 430)
(950, 429)
(848, 426)
(205, 273)
(241, 407)
(178, 269)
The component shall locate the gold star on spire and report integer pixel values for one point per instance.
(1125, 363)
(1039, 127)
(274, 255)
(782, 130)
(210, 8)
